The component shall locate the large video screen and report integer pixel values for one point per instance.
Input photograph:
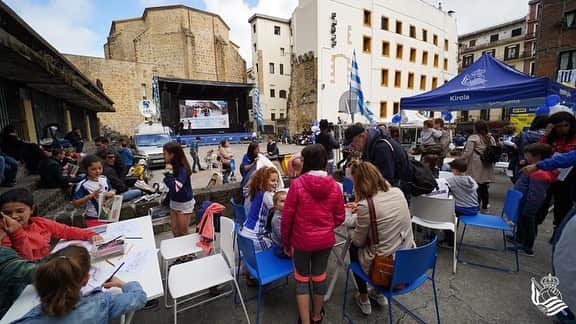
(203, 114)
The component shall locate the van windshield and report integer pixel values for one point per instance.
(151, 139)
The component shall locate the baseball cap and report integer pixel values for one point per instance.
(352, 132)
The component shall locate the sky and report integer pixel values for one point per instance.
(81, 26)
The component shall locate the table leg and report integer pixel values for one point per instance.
(127, 318)
(340, 259)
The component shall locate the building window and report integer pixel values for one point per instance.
(435, 60)
(281, 69)
(424, 35)
(396, 108)
(490, 52)
(570, 19)
(398, 79)
(383, 109)
(472, 43)
(467, 60)
(272, 116)
(410, 80)
(385, 48)
(425, 58)
(567, 60)
(446, 44)
(254, 28)
(516, 32)
(434, 82)
(423, 82)
(413, 55)
(367, 18)
(532, 68)
(282, 52)
(254, 47)
(276, 30)
(143, 90)
(272, 93)
(511, 52)
(435, 39)
(445, 64)
(282, 94)
(281, 115)
(399, 51)
(493, 38)
(367, 44)
(384, 23)
(384, 77)
(412, 31)
(256, 67)
(398, 27)
(271, 67)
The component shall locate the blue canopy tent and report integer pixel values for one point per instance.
(489, 83)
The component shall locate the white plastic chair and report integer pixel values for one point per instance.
(435, 213)
(174, 248)
(207, 272)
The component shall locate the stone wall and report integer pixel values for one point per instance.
(122, 82)
(303, 99)
(552, 37)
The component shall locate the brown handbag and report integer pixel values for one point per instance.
(382, 266)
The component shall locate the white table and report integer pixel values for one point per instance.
(148, 276)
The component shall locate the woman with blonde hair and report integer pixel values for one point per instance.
(392, 225)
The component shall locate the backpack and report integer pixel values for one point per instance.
(491, 154)
(420, 180)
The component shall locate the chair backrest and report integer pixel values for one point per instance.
(348, 186)
(246, 247)
(436, 210)
(239, 212)
(410, 264)
(227, 240)
(512, 205)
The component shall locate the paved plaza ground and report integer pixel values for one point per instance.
(472, 295)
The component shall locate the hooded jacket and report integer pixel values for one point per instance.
(464, 190)
(393, 163)
(314, 207)
(533, 188)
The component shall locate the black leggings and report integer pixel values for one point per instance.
(561, 191)
(311, 266)
(362, 287)
(483, 196)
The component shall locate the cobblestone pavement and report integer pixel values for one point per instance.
(472, 295)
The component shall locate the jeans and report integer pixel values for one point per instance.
(362, 287)
(131, 194)
(527, 231)
(196, 161)
(8, 169)
(483, 197)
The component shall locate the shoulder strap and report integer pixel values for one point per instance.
(373, 225)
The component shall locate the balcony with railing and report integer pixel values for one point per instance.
(567, 77)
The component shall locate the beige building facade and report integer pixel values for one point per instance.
(172, 41)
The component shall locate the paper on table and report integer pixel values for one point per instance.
(118, 229)
(135, 261)
(100, 272)
(62, 244)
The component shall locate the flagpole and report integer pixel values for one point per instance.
(349, 103)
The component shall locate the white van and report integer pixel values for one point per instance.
(149, 138)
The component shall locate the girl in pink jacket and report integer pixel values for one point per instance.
(314, 207)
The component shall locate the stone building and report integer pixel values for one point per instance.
(556, 39)
(176, 42)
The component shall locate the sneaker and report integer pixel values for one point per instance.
(378, 298)
(365, 308)
(526, 252)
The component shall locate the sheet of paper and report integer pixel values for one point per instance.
(118, 229)
(563, 172)
(62, 244)
(100, 272)
(442, 191)
(135, 261)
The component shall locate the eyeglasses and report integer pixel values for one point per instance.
(111, 157)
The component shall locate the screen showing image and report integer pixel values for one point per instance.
(203, 114)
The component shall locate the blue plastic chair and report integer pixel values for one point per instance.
(348, 186)
(239, 213)
(506, 222)
(411, 268)
(264, 266)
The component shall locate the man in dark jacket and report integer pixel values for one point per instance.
(328, 141)
(381, 150)
(15, 274)
(272, 150)
(51, 171)
(116, 181)
(102, 146)
(75, 138)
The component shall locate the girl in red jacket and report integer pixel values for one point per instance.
(30, 236)
(314, 207)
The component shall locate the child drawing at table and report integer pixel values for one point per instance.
(92, 191)
(177, 179)
(261, 187)
(58, 283)
(279, 199)
(29, 235)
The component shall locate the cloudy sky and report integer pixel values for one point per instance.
(81, 26)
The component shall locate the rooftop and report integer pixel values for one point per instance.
(261, 16)
(493, 28)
